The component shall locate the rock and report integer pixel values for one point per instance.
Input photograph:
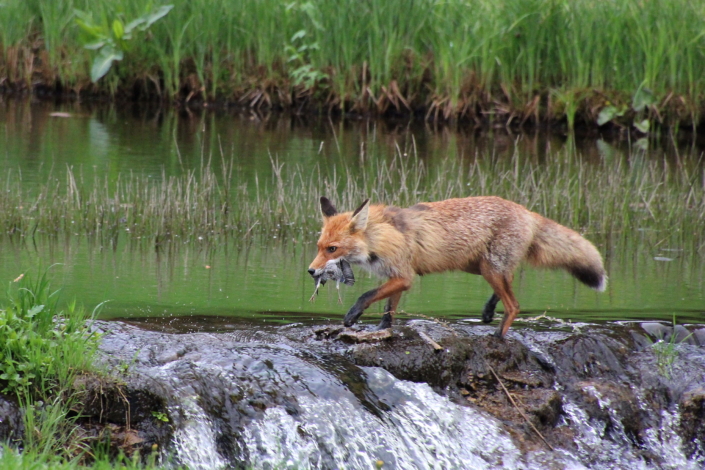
(528, 382)
(692, 405)
(11, 424)
(353, 336)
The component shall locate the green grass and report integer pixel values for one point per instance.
(42, 350)
(615, 200)
(10, 459)
(516, 59)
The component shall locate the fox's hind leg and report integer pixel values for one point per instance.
(389, 310)
(488, 310)
(502, 286)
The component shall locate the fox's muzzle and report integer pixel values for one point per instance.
(338, 270)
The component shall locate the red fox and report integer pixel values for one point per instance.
(488, 236)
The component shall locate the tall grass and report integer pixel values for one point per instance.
(615, 199)
(451, 58)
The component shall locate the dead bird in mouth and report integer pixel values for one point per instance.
(339, 271)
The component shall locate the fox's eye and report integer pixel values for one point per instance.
(331, 249)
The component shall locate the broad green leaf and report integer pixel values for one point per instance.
(607, 114)
(159, 13)
(643, 126)
(86, 18)
(643, 98)
(134, 23)
(34, 310)
(94, 45)
(102, 63)
(118, 29)
(91, 30)
(298, 35)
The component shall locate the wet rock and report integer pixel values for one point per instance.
(699, 336)
(131, 416)
(410, 357)
(583, 390)
(669, 334)
(352, 336)
(11, 425)
(614, 405)
(692, 405)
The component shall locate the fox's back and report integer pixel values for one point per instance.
(454, 234)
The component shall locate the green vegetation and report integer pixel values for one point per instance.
(112, 40)
(507, 60)
(28, 460)
(666, 350)
(41, 348)
(42, 351)
(612, 201)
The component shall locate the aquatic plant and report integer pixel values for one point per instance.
(666, 350)
(43, 349)
(609, 200)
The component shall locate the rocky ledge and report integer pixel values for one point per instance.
(621, 378)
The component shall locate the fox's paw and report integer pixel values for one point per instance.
(352, 316)
(385, 323)
(487, 316)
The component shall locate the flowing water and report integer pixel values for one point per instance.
(273, 398)
(336, 418)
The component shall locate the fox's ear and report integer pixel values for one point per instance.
(327, 208)
(359, 217)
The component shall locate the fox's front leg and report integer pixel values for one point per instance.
(393, 287)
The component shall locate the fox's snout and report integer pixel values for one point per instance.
(311, 271)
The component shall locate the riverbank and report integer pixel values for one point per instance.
(635, 66)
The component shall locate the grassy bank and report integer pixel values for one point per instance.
(622, 61)
(43, 350)
(617, 199)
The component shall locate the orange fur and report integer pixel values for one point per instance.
(489, 236)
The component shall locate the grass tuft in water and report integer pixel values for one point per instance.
(614, 200)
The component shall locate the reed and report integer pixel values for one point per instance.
(612, 200)
(510, 60)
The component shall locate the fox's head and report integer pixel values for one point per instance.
(341, 236)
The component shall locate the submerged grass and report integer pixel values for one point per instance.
(513, 59)
(617, 200)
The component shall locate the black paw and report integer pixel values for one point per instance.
(487, 316)
(498, 333)
(352, 316)
(386, 322)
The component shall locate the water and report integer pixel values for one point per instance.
(267, 282)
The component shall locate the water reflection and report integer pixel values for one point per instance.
(151, 140)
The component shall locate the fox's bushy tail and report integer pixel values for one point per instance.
(556, 246)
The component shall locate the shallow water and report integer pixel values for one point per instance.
(268, 280)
